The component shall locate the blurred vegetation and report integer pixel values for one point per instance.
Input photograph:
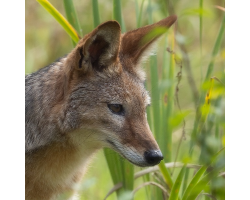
(187, 114)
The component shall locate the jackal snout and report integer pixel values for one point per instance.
(145, 150)
(129, 134)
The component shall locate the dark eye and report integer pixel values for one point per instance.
(116, 109)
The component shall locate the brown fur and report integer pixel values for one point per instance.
(67, 118)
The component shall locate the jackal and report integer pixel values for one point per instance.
(92, 98)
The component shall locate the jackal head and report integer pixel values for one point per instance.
(107, 98)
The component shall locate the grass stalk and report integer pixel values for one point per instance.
(117, 13)
(186, 60)
(140, 15)
(72, 16)
(60, 19)
(155, 98)
(166, 174)
(174, 195)
(170, 103)
(201, 26)
(196, 190)
(216, 49)
(203, 94)
(95, 13)
(194, 181)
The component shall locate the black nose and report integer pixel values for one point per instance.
(153, 157)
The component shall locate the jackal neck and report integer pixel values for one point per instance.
(45, 92)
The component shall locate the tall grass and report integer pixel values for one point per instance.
(72, 17)
(166, 116)
(61, 20)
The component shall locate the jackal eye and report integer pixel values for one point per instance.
(116, 109)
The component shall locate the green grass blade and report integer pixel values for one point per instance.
(61, 20)
(185, 181)
(174, 194)
(201, 7)
(202, 97)
(164, 6)
(72, 16)
(117, 13)
(137, 10)
(195, 190)
(166, 174)
(165, 139)
(155, 97)
(146, 178)
(170, 105)
(116, 170)
(95, 13)
(194, 181)
(140, 15)
(121, 171)
(128, 172)
(216, 48)
(201, 26)
(201, 185)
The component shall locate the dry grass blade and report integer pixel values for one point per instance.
(168, 165)
(222, 174)
(151, 183)
(215, 78)
(208, 195)
(220, 8)
(116, 187)
(178, 62)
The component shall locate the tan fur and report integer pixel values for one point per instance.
(56, 168)
(68, 117)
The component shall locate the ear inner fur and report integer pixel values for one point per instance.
(96, 49)
(81, 58)
(99, 49)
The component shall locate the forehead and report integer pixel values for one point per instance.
(121, 87)
(133, 89)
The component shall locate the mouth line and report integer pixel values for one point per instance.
(138, 165)
(117, 149)
(112, 143)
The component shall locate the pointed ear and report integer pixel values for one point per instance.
(135, 43)
(98, 49)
